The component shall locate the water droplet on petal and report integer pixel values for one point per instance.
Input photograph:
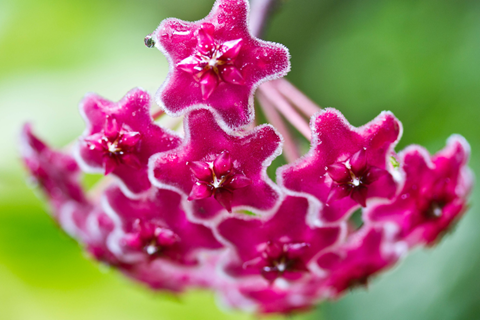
(149, 42)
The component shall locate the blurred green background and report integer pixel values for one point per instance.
(417, 58)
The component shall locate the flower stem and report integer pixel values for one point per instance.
(286, 109)
(297, 97)
(291, 152)
(157, 113)
(259, 12)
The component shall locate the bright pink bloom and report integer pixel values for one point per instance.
(219, 169)
(120, 138)
(155, 226)
(280, 247)
(217, 63)
(434, 195)
(345, 166)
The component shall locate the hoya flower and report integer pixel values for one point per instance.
(219, 169)
(120, 138)
(155, 227)
(434, 194)
(54, 171)
(345, 166)
(281, 247)
(216, 62)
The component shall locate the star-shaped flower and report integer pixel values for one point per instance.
(345, 166)
(121, 137)
(434, 194)
(353, 263)
(280, 247)
(55, 172)
(219, 169)
(155, 226)
(216, 62)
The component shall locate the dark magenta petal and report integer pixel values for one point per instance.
(208, 84)
(112, 128)
(238, 181)
(110, 164)
(373, 174)
(338, 172)
(222, 164)
(273, 250)
(130, 139)
(224, 197)
(200, 190)
(190, 65)
(270, 273)
(201, 170)
(217, 63)
(358, 162)
(132, 241)
(231, 75)
(230, 49)
(338, 191)
(359, 194)
(206, 43)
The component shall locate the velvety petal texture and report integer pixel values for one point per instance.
(346, 166)
(217, 169)
(216, 62)
(120, 137)
(433, 196)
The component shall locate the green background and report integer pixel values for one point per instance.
(417, 58)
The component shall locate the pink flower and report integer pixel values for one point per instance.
(216, 62)
(345, 166)
(219, 169)
(120, 138)
(434, 194)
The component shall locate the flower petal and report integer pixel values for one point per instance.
(208, 83)
(231, 75)
(200, 190)
(358, 162)
(222, 164)
(201, 170)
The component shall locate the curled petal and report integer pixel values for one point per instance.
(223, 164)
(358, 161)
(201, 170)
(337, 192)
(338, 172)
(130, 139)
(111, 128)
(200, 190)
(224, 197)
(238, 181)
(206, 44)
(208, 83)
(230, 49)
(231, 75)
(359, 194)
(94, 141)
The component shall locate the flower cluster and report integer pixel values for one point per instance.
(198, 209)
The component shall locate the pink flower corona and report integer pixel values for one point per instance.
(217, 63)
(202, 210)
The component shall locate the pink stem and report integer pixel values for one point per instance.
(157, 113)
(259, 11)
(290, 151)
(286, 109)
(297, 97)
